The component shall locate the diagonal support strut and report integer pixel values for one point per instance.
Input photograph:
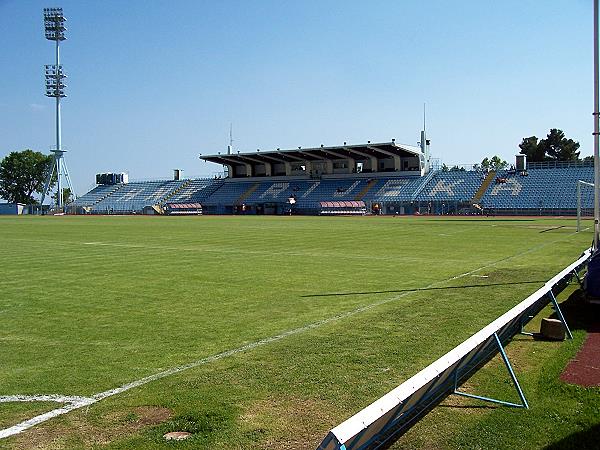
(578, 278)
(523, 403)
(559, 313)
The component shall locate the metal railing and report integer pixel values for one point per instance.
(559, 164)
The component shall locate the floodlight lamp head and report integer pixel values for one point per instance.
(54, 81)
(54, 71)
(54, 24)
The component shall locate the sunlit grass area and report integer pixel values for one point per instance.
(290, 325)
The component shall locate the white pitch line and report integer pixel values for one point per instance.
(72, 402)
(43, 398)
(237, 251)
(20, 427)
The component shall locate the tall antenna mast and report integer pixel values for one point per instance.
(425, 144)
(230, 146)
(54, 24)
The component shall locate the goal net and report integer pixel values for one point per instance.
(585, 201)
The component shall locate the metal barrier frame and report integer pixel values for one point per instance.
(389, 417)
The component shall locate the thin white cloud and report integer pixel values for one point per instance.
(37, 106)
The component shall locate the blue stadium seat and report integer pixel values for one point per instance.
(550, 188)
(95, 195)
(135, 196)
(453, 185)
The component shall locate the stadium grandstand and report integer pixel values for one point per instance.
(371, 178)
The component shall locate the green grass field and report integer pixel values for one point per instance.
(89, 304)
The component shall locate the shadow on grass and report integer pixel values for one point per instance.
(487, 219)
(586, 439)
(442, 288)
(580, 314)
(552, 229)
(453, 406)
(521, 338)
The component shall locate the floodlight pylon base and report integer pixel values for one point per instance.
(59, 167)
(516, 384)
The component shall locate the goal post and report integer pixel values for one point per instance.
(581, 208)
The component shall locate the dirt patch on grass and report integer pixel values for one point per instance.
(150, 415)
(290, 423)
(80, 430)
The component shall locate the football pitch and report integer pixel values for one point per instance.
(265, 332)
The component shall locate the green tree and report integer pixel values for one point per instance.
(67, 196)
(494, 163)
(22, 174)
(530, 148)
(556, 147)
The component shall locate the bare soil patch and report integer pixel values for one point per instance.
(77, 430)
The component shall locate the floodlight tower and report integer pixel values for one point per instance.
(54, 24)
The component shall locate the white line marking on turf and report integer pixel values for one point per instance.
(210, 249)
(72, 402)
(44, 398)
(86, 401)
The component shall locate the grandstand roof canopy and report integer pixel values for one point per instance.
(358, 152)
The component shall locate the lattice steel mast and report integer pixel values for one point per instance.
(54, 24)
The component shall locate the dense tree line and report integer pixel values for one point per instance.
(556, 147)
(494, 163)
(23, 174)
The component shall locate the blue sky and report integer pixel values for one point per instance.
(153, 84)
